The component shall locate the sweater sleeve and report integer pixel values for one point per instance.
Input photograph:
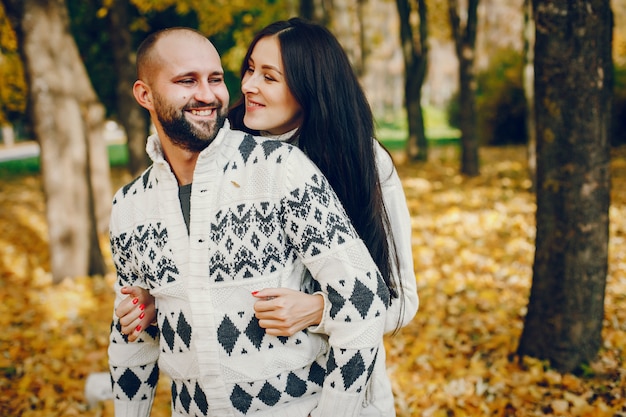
(401, 311)
(133, 366)
(339, 261)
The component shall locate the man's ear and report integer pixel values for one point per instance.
(142, 94)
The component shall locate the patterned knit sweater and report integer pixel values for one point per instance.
(261, 213)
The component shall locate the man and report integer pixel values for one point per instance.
(258, 214)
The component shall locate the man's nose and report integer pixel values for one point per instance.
(205, 93)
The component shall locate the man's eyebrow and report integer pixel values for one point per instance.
(196, 73)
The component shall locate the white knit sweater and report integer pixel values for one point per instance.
(261, 213)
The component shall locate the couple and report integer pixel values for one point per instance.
(259, 224)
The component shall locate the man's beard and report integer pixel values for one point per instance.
(184, 134)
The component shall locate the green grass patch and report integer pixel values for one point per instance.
(26, 166)
(393, 131)
(118, 157)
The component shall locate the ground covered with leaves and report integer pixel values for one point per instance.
(473, 244)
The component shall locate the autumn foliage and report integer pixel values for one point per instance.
(473, 244)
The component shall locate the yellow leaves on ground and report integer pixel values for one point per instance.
(473, 246)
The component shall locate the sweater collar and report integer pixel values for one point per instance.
(285, 137)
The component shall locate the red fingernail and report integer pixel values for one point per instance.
(142, 315)
(138, 328)
(255, 292)
(141, 307)
(135, 300)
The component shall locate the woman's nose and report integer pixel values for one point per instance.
(248, 84)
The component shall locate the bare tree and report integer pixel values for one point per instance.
(67, 121)
(573, 100)
(464, 34)
(414, 43)
(133, 118)
(529, 91)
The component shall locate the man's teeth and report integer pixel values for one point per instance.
(202, 112)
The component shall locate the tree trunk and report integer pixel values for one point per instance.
(316, 10)
(68, 123)
(573, 84)
(529, 90)
(465, 44)
(8, 135)
(345, 20)
(415, 53)
(133, 118)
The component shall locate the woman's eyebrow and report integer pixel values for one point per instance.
(272, 67)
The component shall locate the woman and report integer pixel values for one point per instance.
(298, 86)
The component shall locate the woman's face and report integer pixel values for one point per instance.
(270, 106)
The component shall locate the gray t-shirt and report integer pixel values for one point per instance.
(184, 195)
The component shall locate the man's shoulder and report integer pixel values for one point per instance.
(255, 149)
(137, 186)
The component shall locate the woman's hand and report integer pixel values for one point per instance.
(284, 312)
(136, 312)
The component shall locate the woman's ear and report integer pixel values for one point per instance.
(142, 94)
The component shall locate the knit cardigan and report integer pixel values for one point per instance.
(261, 213)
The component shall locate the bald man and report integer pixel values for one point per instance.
(217, 216)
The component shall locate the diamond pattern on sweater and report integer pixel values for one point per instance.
(317, 374)
(240, 399)
(331, 364)
(352, 370)
(255, 332)
(173, 336)
(247, 146)
(227, 334)
(336, 301)
(168, 333)
(253, 396)
(269, 395)
(130, 383)
(183, 329)
(134, 383)
(183, 400)
(270, 146)
(382, 291)
(200, 399)
(361, 298)
(296, 387)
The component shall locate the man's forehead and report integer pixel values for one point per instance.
(187, 52)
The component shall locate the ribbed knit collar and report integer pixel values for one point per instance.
(285, 137)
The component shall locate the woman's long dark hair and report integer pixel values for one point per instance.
(337, 130)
